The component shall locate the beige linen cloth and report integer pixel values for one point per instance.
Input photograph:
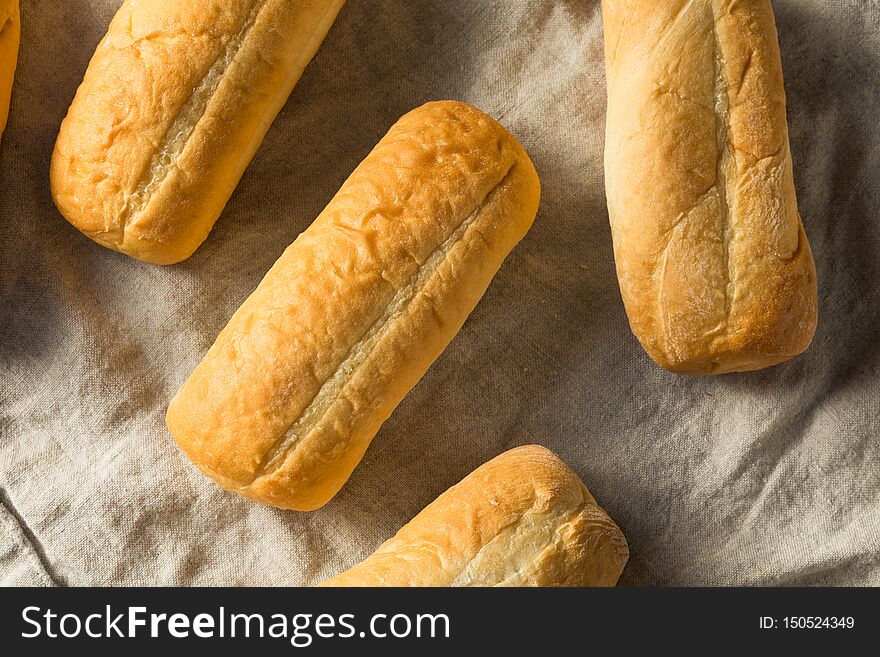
(753, 479)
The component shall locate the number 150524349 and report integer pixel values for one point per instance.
(808, 623)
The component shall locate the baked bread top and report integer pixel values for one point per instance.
(713, 262)
(175, 102)
(10, 28)
(348, 319)
(522, 519)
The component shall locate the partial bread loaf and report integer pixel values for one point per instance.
(522, 519)
(175, 103)
(287, 400)
(10, 29)
(713, 263)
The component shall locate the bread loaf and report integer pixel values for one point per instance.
(285, 403)
(175, 102)
(10, 29)
(713, 262)
(522, 519)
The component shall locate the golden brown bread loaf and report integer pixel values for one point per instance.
(287, 400)
(10, 29)
(522, 519)
(713, 263)
(174, 104)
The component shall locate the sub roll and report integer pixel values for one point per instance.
(522, 519)
(284, 404)
(10, 33)
(713, 263)
(174, 104)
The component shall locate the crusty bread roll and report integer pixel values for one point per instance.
(175, 103)
(287, 400)
(713, 263)
(522, 519)
(10, 29)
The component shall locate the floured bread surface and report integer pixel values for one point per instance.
(713, 263)
(10, 28)
(287, 400)
(175, 102)
(522, 519)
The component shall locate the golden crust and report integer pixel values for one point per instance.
(522, 519)
(10, 33)
(287, 400)
(713, 263)
(173, 106)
